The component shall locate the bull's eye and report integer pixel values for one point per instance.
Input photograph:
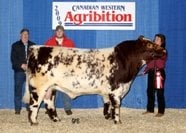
(150, 45)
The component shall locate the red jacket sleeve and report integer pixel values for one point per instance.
(158, 63)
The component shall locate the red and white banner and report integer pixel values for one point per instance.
(94, 15)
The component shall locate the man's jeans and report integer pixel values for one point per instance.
(19, 80)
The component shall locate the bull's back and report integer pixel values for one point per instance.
(71, 67)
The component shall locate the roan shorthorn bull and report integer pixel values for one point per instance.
(108, 72)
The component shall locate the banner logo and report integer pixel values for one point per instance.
(94, 15)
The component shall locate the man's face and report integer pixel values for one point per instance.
(59, 33)
(24, 36)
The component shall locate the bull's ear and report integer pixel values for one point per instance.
(141, 37)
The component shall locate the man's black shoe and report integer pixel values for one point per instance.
(17, 112)
(68, 112)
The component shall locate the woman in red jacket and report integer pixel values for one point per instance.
(59, 39)
(156, 80)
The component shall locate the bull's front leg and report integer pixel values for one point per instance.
(49, 101)
(115, 97)
(115, 109)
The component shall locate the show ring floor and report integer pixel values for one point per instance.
(93, 121)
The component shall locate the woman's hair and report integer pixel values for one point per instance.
(163, 39)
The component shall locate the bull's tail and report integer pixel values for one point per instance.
(26, 97)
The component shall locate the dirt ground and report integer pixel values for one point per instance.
(92, 121)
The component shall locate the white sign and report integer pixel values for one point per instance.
(94, 15)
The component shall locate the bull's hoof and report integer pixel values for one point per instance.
(107, 116)
(56, 120)
(34, 124)
(117, 122)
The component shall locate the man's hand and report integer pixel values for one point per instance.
(24, 67)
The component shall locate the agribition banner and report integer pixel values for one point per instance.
(94, 15)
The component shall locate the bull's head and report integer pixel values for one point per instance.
(150, 50)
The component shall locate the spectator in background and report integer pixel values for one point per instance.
(156, 80)
(19, 65)
(60, 39)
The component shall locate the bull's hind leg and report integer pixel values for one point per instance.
(35, 101)
(115, 109)
(107, 107)
(49, 105)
